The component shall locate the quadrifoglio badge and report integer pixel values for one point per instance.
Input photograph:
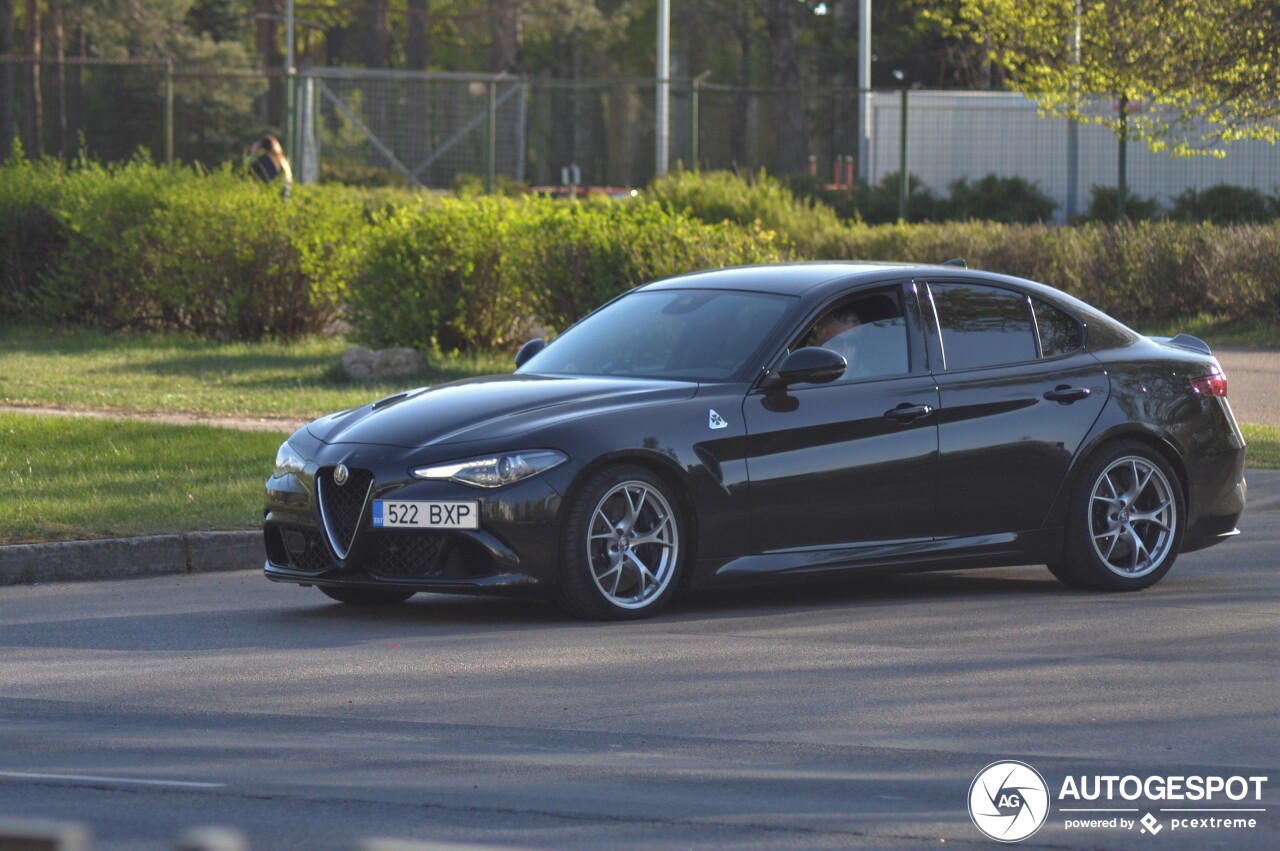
(1009, 801)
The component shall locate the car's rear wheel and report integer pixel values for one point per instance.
(367, 596)
(1126, 521)
(621, 550)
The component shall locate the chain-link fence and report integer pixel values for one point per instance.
(112, 110)
(427, 129)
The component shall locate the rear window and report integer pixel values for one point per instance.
(983, 325)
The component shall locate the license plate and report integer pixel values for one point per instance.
(389, 514)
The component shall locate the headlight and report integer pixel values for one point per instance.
(495, 471)
(288, 461)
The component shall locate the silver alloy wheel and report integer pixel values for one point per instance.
(1132, 517)
(632, 545)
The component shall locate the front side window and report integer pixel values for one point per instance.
(869, 330)
(983, 326)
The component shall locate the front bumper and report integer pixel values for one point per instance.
(513, 551)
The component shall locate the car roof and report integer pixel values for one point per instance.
(788, 278)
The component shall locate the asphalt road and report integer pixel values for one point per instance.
(845, 714)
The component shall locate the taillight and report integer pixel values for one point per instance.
(1214, 384)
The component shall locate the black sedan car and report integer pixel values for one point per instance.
(772, 421)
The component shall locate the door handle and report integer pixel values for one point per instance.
(907, 412)
(1065, 395)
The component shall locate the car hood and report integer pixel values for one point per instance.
(489, 408)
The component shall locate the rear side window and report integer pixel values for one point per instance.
(983, 326)
(1059, 330)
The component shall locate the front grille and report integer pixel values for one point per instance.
(408, 554)
(342, 506)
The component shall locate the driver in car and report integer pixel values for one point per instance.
(835, 331)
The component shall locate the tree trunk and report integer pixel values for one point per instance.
(739, 124)
(8, 126)
(782, 20)
(377, 36)
(61, 142)
(504, 32)
(35, 100)
(75, 87)
(270, 59)
(416, 46)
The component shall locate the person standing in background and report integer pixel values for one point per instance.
(267, 162)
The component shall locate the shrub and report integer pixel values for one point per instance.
(806, 226)
(431, 277)
(31, 237)
(479, 272)
(1104, 204)
(138, 246)
(1224, 204)
(570, 257)
(223, 262)
(999, 199)
(875, 204)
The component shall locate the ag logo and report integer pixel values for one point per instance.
(715, 421)
(1008, 801)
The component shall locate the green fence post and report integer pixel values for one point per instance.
(168, 113)
(1122, 177)
(695, 96)
(490, 140)
(291, 114)
(904, 179)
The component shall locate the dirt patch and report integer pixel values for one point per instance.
(269, 424)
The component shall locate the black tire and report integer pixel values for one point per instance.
(367, 596)
(622, 550)
(1126, 520)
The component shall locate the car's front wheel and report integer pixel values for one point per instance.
(367, 596)
(621, 550)
(1126, 521)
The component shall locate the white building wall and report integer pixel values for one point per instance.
(953, 135)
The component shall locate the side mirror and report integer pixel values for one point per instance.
(528, 350)
(811, 365)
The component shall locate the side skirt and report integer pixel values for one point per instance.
(998, 550)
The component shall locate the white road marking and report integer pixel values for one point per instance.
(83, 778)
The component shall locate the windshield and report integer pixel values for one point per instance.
(695, 335)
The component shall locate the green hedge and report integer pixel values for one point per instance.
(136, 246)
(216, 254)
(1142, 272)
(481, 272)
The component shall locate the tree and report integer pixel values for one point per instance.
(8, 119)
(213, 112)
(416, 43)
(504, 30)
(34, 100)
(1180, 75)
(221, 20)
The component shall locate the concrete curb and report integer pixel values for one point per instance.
(126, 558)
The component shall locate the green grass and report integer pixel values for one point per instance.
(70, 478)
(1263, 450)
(92, 370)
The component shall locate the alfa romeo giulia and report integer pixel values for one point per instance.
(755, 423)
